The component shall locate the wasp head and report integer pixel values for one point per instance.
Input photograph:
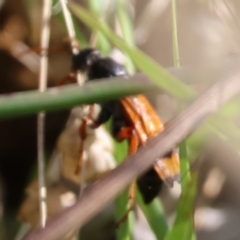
(84, 59)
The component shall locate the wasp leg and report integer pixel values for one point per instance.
(73, 41)
(129, 133)
(103, 117)
(83, 136)
(70, 78)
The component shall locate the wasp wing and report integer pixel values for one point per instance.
(168, 168)
(148, 125)
(142, 116)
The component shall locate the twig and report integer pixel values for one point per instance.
(71, 35)
(47, 4)
(95, 198)
(70, 27)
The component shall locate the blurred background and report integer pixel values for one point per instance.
(208, 34)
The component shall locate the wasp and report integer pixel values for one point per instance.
(133, 119)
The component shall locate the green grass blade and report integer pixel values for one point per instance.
(155, 72)
(97, 9)
(183, 227)
(124, 232)
(127, 31)
(184, 164)
(188, 230)
(155, 216)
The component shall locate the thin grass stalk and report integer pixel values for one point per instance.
(70, 27)
(184, 164)
(75, 51)
(176, 58)
(47, 4)
(58, 14)
(71, 35)
(80, 80)
(184, 161)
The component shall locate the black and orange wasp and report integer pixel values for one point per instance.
(134, 119)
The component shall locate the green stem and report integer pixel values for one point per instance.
(31, 102)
